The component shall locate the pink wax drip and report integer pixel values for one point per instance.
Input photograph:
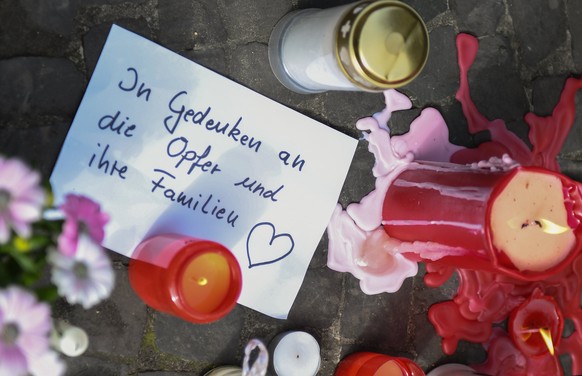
(483, 299)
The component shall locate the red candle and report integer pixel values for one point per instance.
(536, 325)
(196, 280)
(522, 221)
(373, 364)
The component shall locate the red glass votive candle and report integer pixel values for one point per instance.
(197, 280)
(373, 364)
(535, 318)
(523, 221)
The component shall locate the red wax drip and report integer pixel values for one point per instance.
(547, 134)
(486, 298)
(503, 140)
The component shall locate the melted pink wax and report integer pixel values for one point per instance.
(358, 245)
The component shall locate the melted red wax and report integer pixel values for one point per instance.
(484, 298)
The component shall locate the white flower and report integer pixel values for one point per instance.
(85, 277)
(48, 364)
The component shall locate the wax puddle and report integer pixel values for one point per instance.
(359, 245)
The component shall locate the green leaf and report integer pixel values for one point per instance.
(24, 260)
(47, 293)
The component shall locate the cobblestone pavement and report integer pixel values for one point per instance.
(48, 50)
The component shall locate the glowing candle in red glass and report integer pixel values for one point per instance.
(373, 364)
(522, 221)
(196, 280)
(536, 325)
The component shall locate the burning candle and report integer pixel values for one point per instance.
(373, 364)
(196, 280)
(369, 45)
(536, 325)
(295, 354)
(523, 221)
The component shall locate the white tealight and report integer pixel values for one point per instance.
(70, 340)
(295, 354)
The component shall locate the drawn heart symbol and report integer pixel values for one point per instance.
(265, 246)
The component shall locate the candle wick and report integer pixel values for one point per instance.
(530, 223)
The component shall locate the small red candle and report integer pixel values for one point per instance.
(196, 280)
(373, 364)
(536, 325)
(522, 221)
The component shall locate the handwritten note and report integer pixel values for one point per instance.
(166, 145)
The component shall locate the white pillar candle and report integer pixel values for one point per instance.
(295, 354)
(68, 339)
(302, 53)
(367, 45)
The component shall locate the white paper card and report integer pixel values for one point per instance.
(166, 145)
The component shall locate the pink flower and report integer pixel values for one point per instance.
(21, 198)
(82, 215)
(24, 331)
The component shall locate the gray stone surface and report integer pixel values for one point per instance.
(93, 366)
(478, 17)
(382, 320)
(186, 24)
(33, 86)
(496, 87)
(540, 27)
(575, 27)
(114, 326)
(216, 342)
(439, 79)
(49, 49)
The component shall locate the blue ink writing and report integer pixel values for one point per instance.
(107, 166)
(111, 122)
(256, 187)
(177, 149)
(143, 90)
(278, 247)
(232, 132)
(297, 162)
(205, 204)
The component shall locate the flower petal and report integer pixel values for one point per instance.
(12, 361)
(49, 364)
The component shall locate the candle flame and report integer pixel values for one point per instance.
(545, 225)
(202, 281)
(550, 227)
(547, 337)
